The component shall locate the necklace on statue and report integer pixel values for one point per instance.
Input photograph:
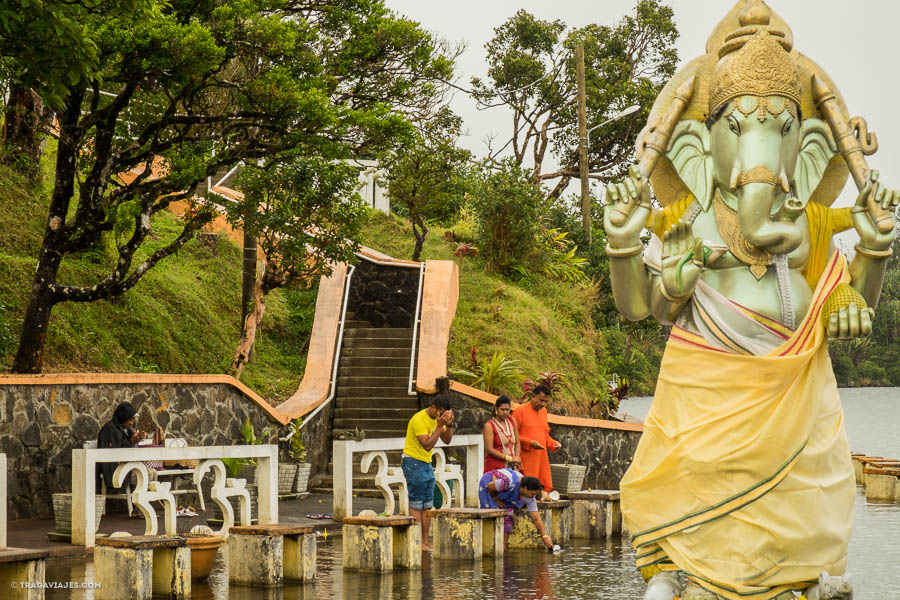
(730, 230)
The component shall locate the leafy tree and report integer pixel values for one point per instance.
(305, 215)
(532, 71)
(424, 180)
(509, 207)
(46, 46)
(198, 87)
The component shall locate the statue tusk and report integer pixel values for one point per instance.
(851, 149)
(735, 176)
(783, 181)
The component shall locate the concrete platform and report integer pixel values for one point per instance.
(32, 533)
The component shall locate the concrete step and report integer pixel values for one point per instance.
(398, 426)
(361, 481)
(379, 332)
(377, 403)
(377, 342)
(371, 434)
(371, 392)
(322, 488)
(387, 412)
(360, 380)
(381, 362)
(350, 323)
(374, 371)
(355, 352)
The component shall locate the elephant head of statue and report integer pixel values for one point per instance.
(755, 153)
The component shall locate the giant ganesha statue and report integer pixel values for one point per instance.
(742, 485)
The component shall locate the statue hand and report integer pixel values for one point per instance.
(630, 197)
(681, 260)
(869, 235)
(850, 322)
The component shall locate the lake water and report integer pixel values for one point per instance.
(595, 571)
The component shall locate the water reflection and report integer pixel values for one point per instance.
(585, 570)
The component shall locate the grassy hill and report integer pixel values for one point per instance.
(182, 317)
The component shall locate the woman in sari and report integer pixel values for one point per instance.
(501, 438)
(509, 489)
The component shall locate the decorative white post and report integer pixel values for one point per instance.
(342, 456)
(82, 498)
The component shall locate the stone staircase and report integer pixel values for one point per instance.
(372, 393)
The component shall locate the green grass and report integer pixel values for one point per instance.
(182, 317)
(543, 324)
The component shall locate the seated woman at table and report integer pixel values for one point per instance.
(509, 489)
(501, 438)
(117, 433)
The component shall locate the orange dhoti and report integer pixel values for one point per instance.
(533, 425)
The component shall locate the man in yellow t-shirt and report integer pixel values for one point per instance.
(422, 433)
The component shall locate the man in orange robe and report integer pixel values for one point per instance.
(534, 435)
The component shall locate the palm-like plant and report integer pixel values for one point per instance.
(493, 374)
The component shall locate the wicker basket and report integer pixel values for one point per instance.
(567, 478)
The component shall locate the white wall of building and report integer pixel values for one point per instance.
(372, 182)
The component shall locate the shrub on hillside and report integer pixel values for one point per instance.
(509, 207)
(555, 256)
(465, 228)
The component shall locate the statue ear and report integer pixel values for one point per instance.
(817, 147)
(689, 153)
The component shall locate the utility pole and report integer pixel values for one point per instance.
(582, 142)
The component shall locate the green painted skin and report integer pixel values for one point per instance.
(709, 161)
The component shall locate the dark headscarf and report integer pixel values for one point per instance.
(124, 412)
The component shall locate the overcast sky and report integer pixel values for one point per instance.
(855, 42)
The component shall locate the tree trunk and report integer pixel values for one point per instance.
(419, 231)
(25, 118)
(30, 354)
(248, 335)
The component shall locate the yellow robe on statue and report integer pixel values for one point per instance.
(743, 478)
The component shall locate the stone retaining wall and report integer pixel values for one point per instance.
(605, 452)
(382, 295)
(41, 424)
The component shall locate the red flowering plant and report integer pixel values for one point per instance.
(552, 379)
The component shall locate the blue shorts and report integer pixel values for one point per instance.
(419, 483)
